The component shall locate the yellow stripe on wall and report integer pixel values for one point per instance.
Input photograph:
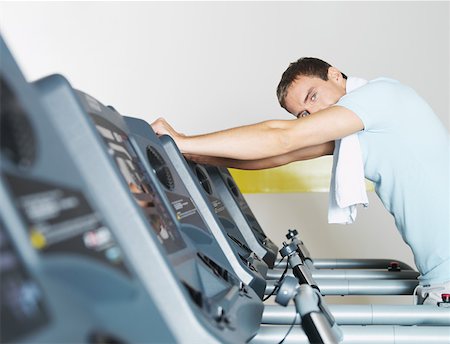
(302, 176)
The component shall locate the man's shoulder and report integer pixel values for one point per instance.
(377, 93)
(381, 86)
(384, 81)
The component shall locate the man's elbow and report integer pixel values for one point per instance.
(288, 141)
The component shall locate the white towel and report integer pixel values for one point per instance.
(347, 187)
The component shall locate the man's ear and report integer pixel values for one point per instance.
(334, 74)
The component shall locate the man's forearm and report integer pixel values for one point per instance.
(256, 141)
(257, 164)
(227, 162)
(270, 138)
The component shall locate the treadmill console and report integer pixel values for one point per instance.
(125, 157)
(211, 284)
(59, 218)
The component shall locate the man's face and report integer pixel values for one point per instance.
(308, 94)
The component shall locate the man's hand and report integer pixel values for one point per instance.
(161, 127)
(274, 161)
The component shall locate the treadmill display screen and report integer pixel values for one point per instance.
(22, 309)
(136, 177)
(60, 220)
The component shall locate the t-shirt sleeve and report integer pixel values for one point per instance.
(375, 103)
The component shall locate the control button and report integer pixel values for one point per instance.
(445, 298)
(219, 313)
(394, 266)
(291, 233)
(252, 267)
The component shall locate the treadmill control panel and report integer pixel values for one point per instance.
(60, 220)
(134, 174)
(183, 206)
(219, 209)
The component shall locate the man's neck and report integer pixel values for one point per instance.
(345, 85)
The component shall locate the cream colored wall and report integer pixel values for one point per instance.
(373, 235)
(211, 65)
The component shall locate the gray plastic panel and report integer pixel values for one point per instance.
(185, 185)
(44, 210)
(243, 216)
(194, 300)
(228, 225)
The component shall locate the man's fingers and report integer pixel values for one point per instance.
(160, 126)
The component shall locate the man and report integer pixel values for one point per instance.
(405, 150)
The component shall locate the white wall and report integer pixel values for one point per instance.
(210, 65)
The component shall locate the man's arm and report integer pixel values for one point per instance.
(270, 138)
(258, 164)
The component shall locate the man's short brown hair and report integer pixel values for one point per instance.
(305, 66)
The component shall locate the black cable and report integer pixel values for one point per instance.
(277, 264)
(275, 290)
(277, 284)
(290, 329)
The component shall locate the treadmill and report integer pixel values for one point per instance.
(199, 187)
(197, 292)
(103, 272)
(69, 279)
(217, 189)
(213, 220)
(241, 212)
(143, 134)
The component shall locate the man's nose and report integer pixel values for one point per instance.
(315, 108)
(311, 109)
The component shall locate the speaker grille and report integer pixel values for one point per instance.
(18, 142)
(233, 187)
(160, 168)
(203, 179)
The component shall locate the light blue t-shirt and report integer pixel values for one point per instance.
(406, 154)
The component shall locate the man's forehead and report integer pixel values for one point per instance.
(300, 87)
(303, 83)
(298, 90)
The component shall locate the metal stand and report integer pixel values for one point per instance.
(384, 264)
(300, 271)
(317, 321)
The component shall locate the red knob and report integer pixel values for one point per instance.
(394, 266)
(446, 298)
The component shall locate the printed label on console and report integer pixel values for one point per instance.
(186, 211)
(61, 220)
